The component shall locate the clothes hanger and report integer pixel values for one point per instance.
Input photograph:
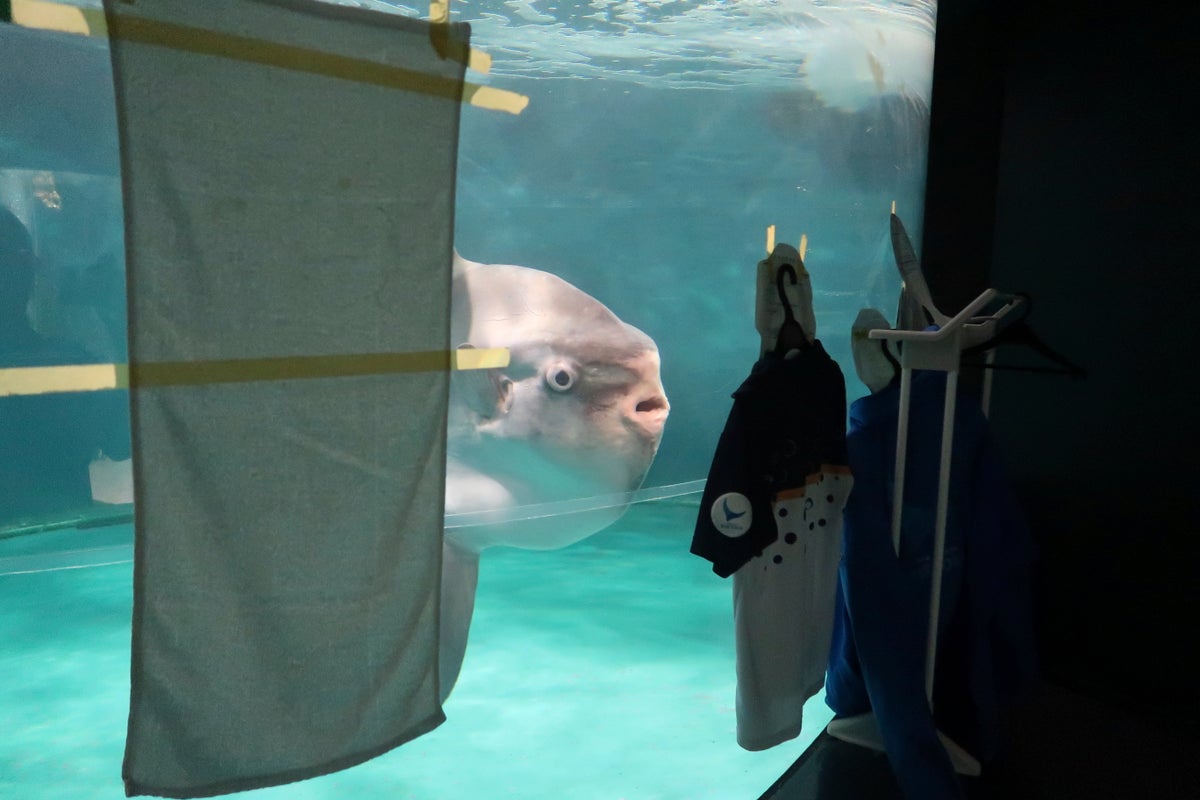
(916, 299)
(791, 333)
(1019, 332)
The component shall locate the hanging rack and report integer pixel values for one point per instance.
(938, 350)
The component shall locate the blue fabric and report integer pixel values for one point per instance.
(877, 658)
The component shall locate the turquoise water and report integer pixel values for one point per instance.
(663, 138)
(603, 670)
(660, 141)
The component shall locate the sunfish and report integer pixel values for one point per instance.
(578, 413)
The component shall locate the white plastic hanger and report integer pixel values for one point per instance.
(939, 350)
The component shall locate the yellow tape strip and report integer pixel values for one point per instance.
(197, 373)
(439, 14)
(481, 62)
(90, 22)
(48, 380)
(481, 358)
(54, 17)
(299, 59)
(494, 99)
(256, 51)
(98, 377)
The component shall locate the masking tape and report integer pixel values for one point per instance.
(199, 373)
(299, 59)
(481, 358)
(98, 377)
(439, 14)
(477, 60)
(494, 99)
(481, 62)
(55, 17)
(52, 16)
(48, 380)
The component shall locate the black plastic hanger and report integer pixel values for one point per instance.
(791, 333)
(1020, 333)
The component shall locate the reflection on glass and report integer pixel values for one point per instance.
(62, 303)
(661, 139)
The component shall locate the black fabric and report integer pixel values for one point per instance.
(788, 418)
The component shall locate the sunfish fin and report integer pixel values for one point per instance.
(460, 576)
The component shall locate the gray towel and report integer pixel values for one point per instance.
(289, 184)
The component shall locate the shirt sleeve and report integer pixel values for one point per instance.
(734, 522)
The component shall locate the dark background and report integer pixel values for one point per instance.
(1063, 164)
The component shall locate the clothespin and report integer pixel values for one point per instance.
(768, 311)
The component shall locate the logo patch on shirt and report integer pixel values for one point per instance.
(731, 514)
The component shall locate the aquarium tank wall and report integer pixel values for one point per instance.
(653, 146)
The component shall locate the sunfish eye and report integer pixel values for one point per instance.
(560, 377)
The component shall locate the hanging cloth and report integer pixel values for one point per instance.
(289, 172)
(770, 515)
(985, 649)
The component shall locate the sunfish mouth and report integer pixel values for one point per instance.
(650, 408)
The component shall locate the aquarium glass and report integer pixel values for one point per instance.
(659, 142)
